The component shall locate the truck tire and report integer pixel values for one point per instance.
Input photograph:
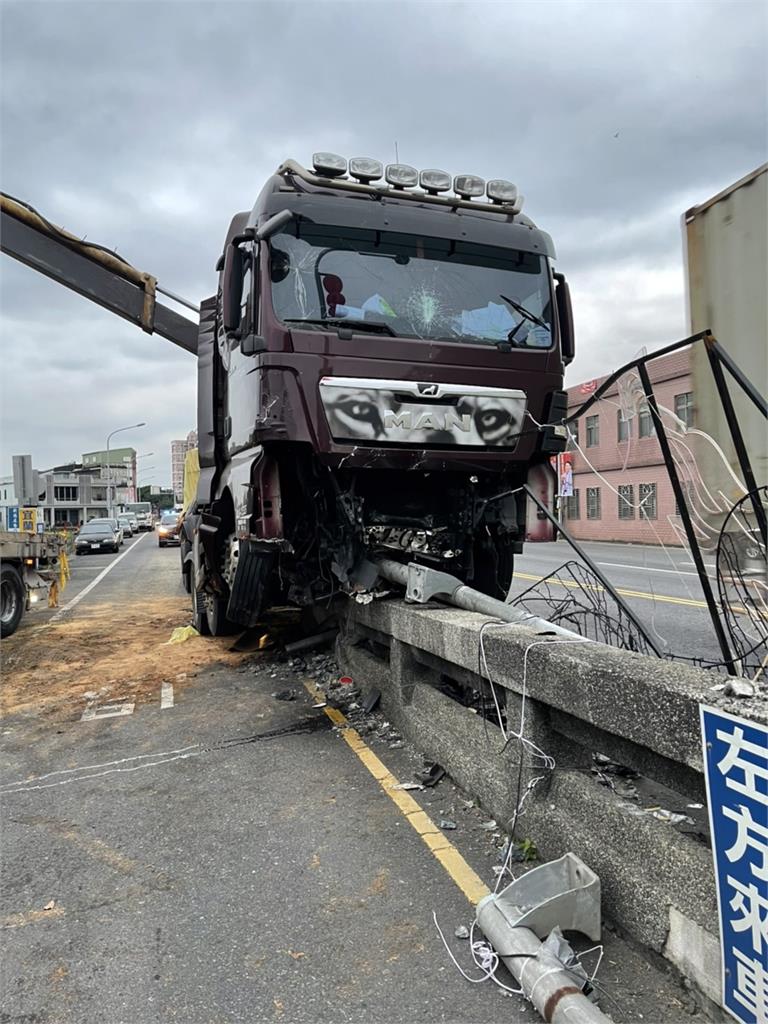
(216, 614)
(12, 600)
(199, 616)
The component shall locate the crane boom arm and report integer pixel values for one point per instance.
(92, 271)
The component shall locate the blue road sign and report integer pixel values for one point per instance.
(12, 517)
(736, 769)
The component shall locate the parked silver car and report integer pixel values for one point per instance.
(126, 522)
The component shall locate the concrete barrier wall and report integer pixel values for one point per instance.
(657, 884)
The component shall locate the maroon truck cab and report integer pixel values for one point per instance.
(380, 372)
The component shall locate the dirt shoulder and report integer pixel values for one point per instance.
(108, 652)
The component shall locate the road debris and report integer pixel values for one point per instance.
(183, 633)
(284, 695)
(409, 786)
(462, 932)
(446, 824)
(431, 775)
(739, 688)
(371, 701)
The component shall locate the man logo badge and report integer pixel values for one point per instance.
(429, 390)
(406, 420)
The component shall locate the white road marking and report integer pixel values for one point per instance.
(86, 590)
(166, 695)
(107, 711)
(97, 775)
(649, 568)
(101, 764)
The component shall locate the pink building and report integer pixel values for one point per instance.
(621, 490)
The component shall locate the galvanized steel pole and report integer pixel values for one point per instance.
(422, 584)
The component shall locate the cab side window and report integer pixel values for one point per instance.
(246, 297)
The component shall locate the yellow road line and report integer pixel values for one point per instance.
(441, 847)
(624, 593)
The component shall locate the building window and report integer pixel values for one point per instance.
(645, 421)
(624, 427)
(684, 408)
(647, 501)
(626, 501)
(593, 503)
(572, 505)
(593, 431)
(574, 429)
(65, 493)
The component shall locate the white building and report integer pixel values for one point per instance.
(74, 493)
(8, 500)
(179, 450)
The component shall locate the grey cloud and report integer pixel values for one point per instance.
(147, 127)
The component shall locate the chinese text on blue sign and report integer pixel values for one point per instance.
(736, 769)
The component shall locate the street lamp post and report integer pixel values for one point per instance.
(132, 426)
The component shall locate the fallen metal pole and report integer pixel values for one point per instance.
(551, 988)
(308, 642)
(424, 584)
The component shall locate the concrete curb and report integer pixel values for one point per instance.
(657, 883)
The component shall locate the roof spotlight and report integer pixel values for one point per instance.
(434, 181)
(500, 191)
(365, 169)
(468, 185)
(329, 164)
(401, 175)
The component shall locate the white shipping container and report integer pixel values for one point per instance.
(726, 254)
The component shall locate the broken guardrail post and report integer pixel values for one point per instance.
(565, 894)
(424, 584)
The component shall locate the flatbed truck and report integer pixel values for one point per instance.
(32, 567)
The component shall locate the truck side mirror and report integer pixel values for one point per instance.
(565, 319)
(232, 286)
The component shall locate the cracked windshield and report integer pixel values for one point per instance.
(404, 285)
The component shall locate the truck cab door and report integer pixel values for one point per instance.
(241, 393)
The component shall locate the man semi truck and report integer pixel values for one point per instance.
(380, 372)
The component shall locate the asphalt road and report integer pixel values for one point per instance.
(106, 571)
(660, 585)
(230, 858)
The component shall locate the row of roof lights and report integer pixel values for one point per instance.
(402, 176)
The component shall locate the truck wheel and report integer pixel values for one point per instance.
(186, 577)
(199, 617)
(216, 614)
(12, 600)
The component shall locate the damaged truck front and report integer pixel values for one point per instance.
(380, 373)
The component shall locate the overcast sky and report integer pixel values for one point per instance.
(144, 126)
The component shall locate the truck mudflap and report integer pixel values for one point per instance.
(402, 412)
(249, 594)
